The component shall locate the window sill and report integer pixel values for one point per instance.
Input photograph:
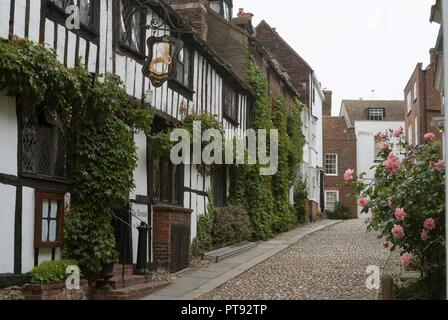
(181, 89)
(331, 175)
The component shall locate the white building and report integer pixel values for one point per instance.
(369, 118)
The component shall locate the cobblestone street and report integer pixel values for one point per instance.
(329, 264)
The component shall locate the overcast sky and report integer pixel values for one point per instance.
(355, 46)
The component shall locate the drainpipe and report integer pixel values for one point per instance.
(445, 75)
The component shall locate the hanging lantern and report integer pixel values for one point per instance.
(162, 59)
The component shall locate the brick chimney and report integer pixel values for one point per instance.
(194, 12)
(244, 21)
(328, 103)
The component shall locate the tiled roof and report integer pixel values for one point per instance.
(357, 110)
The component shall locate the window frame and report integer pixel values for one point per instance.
(336, 164)
(66, 179)
(235, 107)
(376, 114)
(186, 90)
(40, 196)
(326, 198)
(139, 54)
(90, 33)
(409, 102)
(415, 91)
(222, 9)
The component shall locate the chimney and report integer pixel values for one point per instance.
(328, 103)
(195, 14)
(244, 21)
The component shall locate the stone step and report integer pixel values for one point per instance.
(228, 252)
(130, 293)
(128, 270)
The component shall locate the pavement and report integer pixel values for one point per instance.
(198, 284)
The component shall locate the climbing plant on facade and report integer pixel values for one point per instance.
(102, 119)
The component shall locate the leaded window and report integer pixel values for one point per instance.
(131, 26)
(87, 11)
(222, 7)
(230, 103)
(44, 144)
(185, 68)
(166, 181)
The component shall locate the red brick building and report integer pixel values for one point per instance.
(423, 103)
(339, 155)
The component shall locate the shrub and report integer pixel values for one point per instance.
(203, 242)
(51, 272)
(300, 201)
(231, 226)
(340, 213)
(407, 202)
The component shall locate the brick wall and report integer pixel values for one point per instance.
(340, 141)
(425, 106)
(164, 217)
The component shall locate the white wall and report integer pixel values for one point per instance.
(140, 173)
(7, 218)
(365, 135)
(8, 135)
(28, 215)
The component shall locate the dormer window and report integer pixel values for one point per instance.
(376, 114)
(223, 7)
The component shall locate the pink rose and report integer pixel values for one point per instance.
(392, 165)
(362, 202)
(430, 136)
(440, 165)
(400, 214)
(398, 232)
(425, 235)
(349, 175)
(382, 135)
(383, 146)
(406, 259)
(430, 224)
(398, 132)
(386, 245)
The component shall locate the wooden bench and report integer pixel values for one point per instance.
(228, 252)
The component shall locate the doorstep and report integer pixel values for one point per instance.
(198, 283)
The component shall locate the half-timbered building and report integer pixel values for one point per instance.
(35, 181)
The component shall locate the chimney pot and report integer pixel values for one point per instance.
(241, 13)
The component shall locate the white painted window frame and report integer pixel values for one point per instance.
(326, 197)
(337, 164)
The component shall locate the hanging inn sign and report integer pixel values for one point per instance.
(161, 64)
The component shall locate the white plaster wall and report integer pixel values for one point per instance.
(8, 134)
(365, 153)
(28, 200)
(7, 219)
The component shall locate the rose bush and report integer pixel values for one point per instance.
(406, 200)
